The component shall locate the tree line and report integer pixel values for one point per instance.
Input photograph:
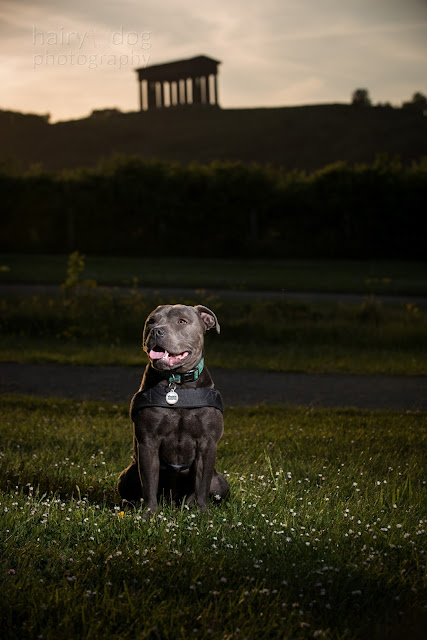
(128, 206)
(418, 102)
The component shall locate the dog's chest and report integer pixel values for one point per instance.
(179, 433)
(179, 425)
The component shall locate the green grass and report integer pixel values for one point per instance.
(381, 277)
(366, 338)
(323, 535)
(228, 355)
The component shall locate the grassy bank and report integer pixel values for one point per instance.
(106, 328)
(304, 137)
(323, 535)
(366, 277)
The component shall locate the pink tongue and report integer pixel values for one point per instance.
(172, 360)
(155, 355)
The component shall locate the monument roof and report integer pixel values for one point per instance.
(179, 69)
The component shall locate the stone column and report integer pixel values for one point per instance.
(182, 91)
(197, 94)
(151, 95)
(141, 102)
(164, 94)
(215, 90)
(207, 90)
(157, 94)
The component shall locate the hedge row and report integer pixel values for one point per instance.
(128, 206)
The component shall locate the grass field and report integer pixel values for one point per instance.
(106, 328)
(324, 532)
(103, 326)
(323, 535)
(367, 277)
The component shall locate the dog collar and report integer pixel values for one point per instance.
(187, 376)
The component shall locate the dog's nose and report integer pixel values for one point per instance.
(159, 332)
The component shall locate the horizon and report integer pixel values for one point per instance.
(188, 108)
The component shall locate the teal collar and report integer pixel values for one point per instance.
(187, 376)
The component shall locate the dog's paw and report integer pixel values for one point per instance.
(149, 513)
(190, 499)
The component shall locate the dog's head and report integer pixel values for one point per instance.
(174, 335)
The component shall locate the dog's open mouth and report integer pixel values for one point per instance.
(170, 359)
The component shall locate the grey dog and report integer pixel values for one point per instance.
(177, 414)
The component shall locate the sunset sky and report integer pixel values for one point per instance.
(67, 58)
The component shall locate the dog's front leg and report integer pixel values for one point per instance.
(149, 466)
(205, 464)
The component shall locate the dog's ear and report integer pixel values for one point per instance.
(208, 317)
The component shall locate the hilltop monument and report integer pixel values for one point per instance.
(190, 83)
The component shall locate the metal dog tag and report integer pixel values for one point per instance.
(172, 396)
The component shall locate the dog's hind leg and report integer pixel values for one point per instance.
(219, 486)
(129, 483)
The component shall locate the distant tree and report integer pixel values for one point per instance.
(105, 113)
(361, 98)
(418, 102)
(419, 99)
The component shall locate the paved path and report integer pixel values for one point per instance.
(241, 388)
(177, 294)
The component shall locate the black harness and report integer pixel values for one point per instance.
(188, 399)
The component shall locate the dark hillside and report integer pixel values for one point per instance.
(292, 137)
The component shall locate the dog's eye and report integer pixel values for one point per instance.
(182, 321)
(150, 320)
